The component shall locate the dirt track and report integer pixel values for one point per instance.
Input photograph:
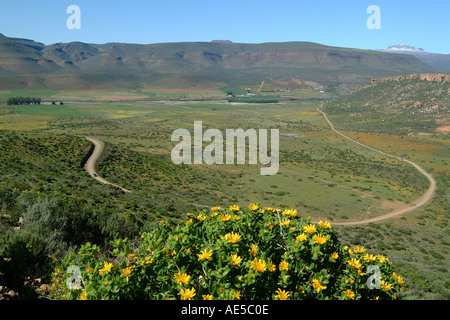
(407, 208)
(91, 163)
(91, 168)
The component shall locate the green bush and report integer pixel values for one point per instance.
(254, 253)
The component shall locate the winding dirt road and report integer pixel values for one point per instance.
(407, 208)
(91, 168)
(91, 163)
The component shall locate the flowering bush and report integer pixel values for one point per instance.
(253, 253)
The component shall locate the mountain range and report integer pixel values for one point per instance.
(436, 60)
(26, 64)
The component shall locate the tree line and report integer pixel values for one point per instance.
(22, 100)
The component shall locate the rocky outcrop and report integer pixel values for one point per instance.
(438, 77)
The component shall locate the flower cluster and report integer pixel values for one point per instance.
(233, 253)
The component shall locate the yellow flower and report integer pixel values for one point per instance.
(369, 257)
(320, 239)
(190, 221)
(147, 261)
(234, 208)
(90, 270)
(292, 229)
(282, 294)
(272, 266)
(182, 278)
(187, 294)
(216, 208)
(236, 294)
(301, 290)
(386, 285)
(225, 217)
(232, 237)
(350, 280)
(253, 207)
(285, 222)
(301, 237)
(398, 278)
(204, 255)
(143, 235)
(359, 249)
(207, 297)
(236, 217)
(309, 228)
(261, 210)
(126, 272)
(83, 296)
(254, 249)
(381, 258)
(334, 255)
(108, 266)
(350, 294)
(258, 265)
(235, 259)
(284, 266)
(317, 286)
(355, 263)
(290, 212)
(201, 217)
(214, 213)
(325, 224)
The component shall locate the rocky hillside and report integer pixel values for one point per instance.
(413, 103)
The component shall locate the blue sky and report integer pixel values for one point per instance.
(420, 23)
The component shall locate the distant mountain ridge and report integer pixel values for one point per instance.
(436, 60)
(220, 63)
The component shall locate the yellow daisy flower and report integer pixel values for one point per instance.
(320, 239)
(317, 286)
(301, 237)
(258, 265)
(204, 255)
(282, 294)
(284, 266)
(325, 224)
(235, 259)
(187, 294)
(309, 228)
(253, 249)
(350, 294)
(232, 237)
(182, 278)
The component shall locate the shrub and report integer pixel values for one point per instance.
(253, 253)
